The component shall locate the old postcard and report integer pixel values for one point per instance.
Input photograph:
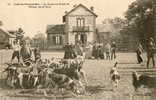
(77, 49)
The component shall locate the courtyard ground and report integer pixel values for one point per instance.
(99, 87)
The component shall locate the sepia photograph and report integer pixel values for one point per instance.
(78, 50)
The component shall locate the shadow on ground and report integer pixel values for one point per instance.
(3, 84)
(97, 89)
(132, 67)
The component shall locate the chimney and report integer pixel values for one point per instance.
(92, 8)
(66, 12)
(74, 5)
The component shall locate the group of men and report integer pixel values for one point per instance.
(24, 53)
(72, 51)
(109, 50)
(97, 52)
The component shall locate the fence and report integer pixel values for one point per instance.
(5, 56)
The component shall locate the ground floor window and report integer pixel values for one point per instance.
(57, 40)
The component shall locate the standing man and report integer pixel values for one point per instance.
(113, 50)
(79, 50)
(73, 51)
(108, 50)
(150, 51)
(67, 52)
(101, 53)
(37, 53)
(26, 54)
(70, 51)
(16, 51)
(95, 49)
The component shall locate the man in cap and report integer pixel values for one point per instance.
(113, 50)
(150, 51)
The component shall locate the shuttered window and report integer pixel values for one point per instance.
(57, 40)
(54, 40)
(61, 40)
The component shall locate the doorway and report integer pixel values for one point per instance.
(81, 38)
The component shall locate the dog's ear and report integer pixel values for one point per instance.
(133, 72)
(136, 74)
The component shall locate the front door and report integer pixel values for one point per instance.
(81, 38)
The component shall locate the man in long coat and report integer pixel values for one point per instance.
(94, 52)
(67, 51)
(151, 47)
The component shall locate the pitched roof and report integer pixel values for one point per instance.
(6, 32)
(56, 29)
(81, 6)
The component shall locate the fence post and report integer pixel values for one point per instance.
(1, 53)
(0, 58)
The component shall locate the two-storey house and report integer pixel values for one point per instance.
(80, 25)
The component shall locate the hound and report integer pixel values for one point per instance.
(143, 80)
(114, 76)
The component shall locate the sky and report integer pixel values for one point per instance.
(35, 20)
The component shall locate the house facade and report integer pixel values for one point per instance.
(80, 25)
(55, 36)
(6, 39)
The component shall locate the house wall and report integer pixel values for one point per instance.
(4, 39)
(71, 21)
(51, 44)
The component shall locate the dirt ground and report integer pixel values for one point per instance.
(99, 87)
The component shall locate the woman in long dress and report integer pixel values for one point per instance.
(139, 53)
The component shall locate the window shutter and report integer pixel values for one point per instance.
(54, 40)
(58, 40)
(64, 19)
(85, 38)
(61, 41)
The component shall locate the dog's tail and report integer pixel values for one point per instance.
(115, 65)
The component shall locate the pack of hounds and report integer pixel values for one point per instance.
(63, 74)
